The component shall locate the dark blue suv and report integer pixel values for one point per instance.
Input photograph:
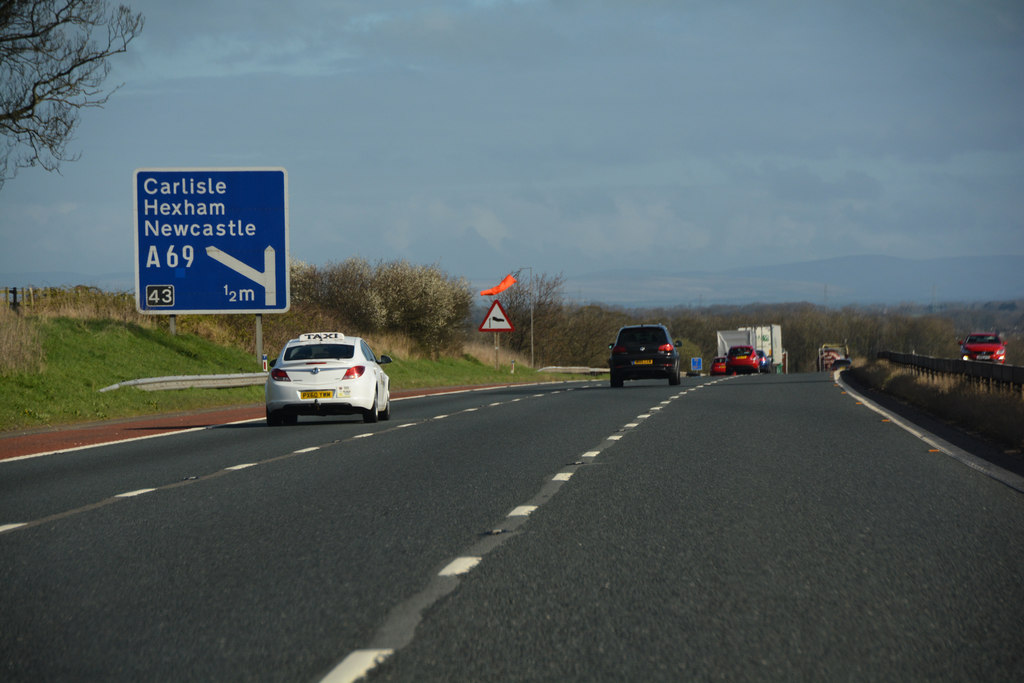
(644, 352)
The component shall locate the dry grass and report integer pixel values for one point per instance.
(484, 352)
(84, 303)
(996, 413)
(19, 345)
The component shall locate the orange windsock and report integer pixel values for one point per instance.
(500, 287)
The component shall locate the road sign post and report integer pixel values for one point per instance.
(496, 321)
(211, 240)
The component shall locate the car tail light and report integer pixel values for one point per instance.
(280, 375)
(619, 349)
(354, 372)
(667, 348)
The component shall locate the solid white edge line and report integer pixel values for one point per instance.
(1014, 481)
(459, 565)
(356, 665)
(237, 422)
(9, 527)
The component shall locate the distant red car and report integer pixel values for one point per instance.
(742, 360)
(718, 366)
(986, 346)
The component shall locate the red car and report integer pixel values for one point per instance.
(718, 366)
(742, 360)
(986, 346)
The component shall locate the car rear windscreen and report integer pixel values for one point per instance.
(641, 337)
(320, 352)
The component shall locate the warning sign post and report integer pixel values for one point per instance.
(496, 321)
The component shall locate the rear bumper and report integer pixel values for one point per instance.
(626, 370)
(284, 397)
(742, 369)
(316, 408)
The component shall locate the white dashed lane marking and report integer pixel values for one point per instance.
(460, 565)
(357, 665)
(132, 494)
(359, 662)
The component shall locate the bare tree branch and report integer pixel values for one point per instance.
(51, 67)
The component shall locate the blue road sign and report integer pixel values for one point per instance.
(211, 240)
(696, 364)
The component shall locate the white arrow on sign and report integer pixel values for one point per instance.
(267, 279)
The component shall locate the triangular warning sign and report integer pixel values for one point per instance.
(496, 320)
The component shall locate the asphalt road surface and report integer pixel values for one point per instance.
(737, 528)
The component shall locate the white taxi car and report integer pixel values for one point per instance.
(327, 373)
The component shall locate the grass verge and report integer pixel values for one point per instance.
(75, 358)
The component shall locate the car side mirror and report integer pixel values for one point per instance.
(272, 363)
(611, 345)
(678, 343)
(384, 360)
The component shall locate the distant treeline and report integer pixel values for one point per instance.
(438, 313)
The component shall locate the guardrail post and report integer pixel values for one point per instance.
(260, 358)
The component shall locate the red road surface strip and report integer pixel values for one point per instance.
(54, 439)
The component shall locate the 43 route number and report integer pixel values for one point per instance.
(160, 295)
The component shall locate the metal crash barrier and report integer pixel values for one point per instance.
(977, 372)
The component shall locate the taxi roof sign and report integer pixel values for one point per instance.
(320, 336)
(496, 320)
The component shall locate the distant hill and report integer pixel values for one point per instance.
(840, 281)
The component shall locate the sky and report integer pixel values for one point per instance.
(560, 136)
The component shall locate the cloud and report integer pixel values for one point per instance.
(576, 135)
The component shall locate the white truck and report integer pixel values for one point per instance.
(767, 338)
(730, 338)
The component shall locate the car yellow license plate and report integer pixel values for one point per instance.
(316, 394)
(646, 361)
